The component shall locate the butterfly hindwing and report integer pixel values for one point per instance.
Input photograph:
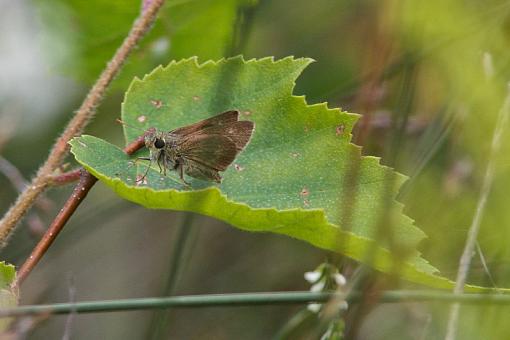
(213, 151)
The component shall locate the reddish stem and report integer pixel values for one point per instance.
(66, 177)
(87, 181)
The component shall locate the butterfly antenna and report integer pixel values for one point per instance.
(120, 121)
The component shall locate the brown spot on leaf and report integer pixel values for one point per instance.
(306, 129)
(339, 130)
(141, 118)
(294, 154)
(306, 203)
(157, 103)
(246, 113)
(141, 179)
(304, 192)
(196, 98)
(238, 167)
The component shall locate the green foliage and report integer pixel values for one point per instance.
(7, 274)
(8, 298)
(299, 176)
(90, 34)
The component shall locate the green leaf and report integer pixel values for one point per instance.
(7, 274)
(299, 176)
(8, 297)
(87, 33)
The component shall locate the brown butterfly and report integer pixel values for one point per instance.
(199, 150)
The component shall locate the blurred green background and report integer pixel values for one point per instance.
(428, 77)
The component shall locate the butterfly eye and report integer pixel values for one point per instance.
(159, 143)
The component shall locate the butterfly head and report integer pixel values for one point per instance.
(155, 140)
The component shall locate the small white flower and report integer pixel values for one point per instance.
(340, 279)
(312, 276)
(318, 287)
(314, 307)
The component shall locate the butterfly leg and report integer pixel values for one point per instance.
(140, 180)
(162, 169)
(181, 175)
(147, 170)
(140, 159)
(179, 167)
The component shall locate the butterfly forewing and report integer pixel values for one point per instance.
(218, 120)
(225, 124)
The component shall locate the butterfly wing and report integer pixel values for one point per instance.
(211, 145)
(239, 132)
(225, 124)
(215, 152)
(218, 120)
(199, 171)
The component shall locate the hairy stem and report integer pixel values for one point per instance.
(35, 224)
(77, 124)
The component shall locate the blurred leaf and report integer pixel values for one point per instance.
(7, 274)
(90, 31)
(8, 298)
(202, 28)
(299, 175)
